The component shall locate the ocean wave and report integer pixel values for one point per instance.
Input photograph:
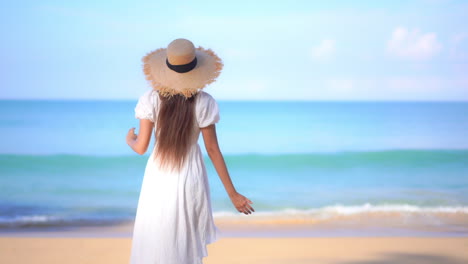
(344, 210)
(42, 220)
(343, 159)
(366, 212)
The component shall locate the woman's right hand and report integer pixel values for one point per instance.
(241, 203)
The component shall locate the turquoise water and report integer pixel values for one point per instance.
(67, 163)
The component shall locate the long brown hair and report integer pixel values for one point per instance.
(174, 130)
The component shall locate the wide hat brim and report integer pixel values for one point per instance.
(169, 82)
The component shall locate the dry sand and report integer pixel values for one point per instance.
(344, 250)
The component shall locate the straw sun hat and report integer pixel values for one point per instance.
(181, 68)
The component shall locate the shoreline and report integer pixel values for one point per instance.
(258, 229)
(367, 220)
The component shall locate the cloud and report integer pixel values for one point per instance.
(413, 44)
(324, 50)
(459, 46)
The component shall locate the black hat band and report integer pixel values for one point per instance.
(184, 67)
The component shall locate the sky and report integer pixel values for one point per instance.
(272, 50)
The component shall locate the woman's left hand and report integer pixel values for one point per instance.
(131, 136)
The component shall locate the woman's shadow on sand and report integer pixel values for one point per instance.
(409, 258)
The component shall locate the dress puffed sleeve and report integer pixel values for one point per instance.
(207, 110)
(144, 109)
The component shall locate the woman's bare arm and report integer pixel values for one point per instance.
(139, 143)
(212, 148)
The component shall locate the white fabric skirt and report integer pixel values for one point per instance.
(174, 220)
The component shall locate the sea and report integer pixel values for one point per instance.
(65, 163)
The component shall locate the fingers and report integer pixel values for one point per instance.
(242, 204)
(246, 209)
(243, 209)
(131, 132)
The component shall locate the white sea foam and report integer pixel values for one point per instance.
(311, 214)
(343, 210)
(48, 220)
(29, 219)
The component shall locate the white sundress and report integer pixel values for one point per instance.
(174, 221)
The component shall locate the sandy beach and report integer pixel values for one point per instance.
(256, 242)
(344, 250)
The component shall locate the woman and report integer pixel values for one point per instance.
(174, 221)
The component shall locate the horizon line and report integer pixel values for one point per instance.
(243, 100)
